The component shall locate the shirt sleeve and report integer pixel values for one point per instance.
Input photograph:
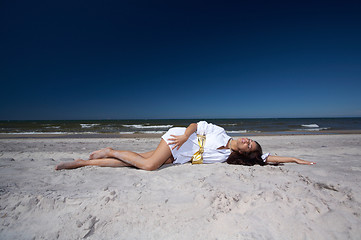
(265, 156)
(202, 128)
(216, 135)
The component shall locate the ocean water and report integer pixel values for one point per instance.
(158, 126)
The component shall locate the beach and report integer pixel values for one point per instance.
(207, 201)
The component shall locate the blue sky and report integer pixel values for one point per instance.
(179, 59)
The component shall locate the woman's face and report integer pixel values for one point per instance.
(246, 145)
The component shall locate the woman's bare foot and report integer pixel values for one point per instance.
(102, 153)
(70, 165)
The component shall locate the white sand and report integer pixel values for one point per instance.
(216, 201)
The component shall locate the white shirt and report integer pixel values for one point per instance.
(216, 138)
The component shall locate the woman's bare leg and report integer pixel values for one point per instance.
(106, 162)
(145, 155)
(108, 157)
(99, 154)
(160, 156)
(103, 153)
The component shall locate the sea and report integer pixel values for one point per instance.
(233, 127)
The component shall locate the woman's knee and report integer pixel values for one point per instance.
(150, 166)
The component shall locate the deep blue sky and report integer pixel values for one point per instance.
(179, 59)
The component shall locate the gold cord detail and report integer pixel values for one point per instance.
(197, 158)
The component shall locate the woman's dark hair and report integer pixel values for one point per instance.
(247, 158)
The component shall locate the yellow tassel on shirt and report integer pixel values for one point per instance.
(197, 158)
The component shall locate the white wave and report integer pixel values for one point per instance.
(53, 127)
(144, 132)
(316, 129)
(313, 129)
(313, 125)
(86, 125)
(240, 131)
(148, 127)
(34, 133)
(154, 132)
(230, 124)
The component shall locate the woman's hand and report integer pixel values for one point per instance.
(300, 161)
(177, 141)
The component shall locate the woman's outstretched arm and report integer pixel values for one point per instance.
(277, 159)
(178, 141)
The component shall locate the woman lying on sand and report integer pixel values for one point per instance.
(200, 142)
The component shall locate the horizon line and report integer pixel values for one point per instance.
(213, 118)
